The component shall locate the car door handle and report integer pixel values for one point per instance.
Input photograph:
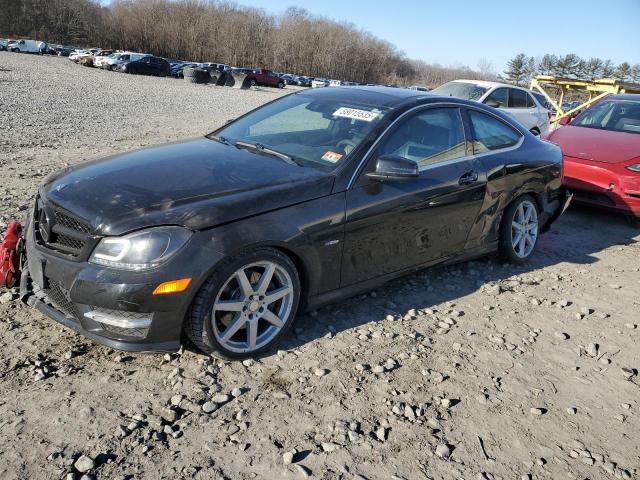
(468, 178)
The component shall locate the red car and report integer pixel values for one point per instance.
(601, 148)
(260, 76)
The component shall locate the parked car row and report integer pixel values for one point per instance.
(133, 62)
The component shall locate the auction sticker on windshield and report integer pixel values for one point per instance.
(332, 157)
(355, 114)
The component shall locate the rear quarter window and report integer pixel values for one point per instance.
(491, 134)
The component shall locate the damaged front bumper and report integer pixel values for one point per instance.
(115, 309)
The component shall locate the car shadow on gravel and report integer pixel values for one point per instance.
(576, 239)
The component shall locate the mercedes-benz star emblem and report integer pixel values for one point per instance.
(43, 224)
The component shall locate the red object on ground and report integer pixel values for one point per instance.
(595, 166)
(10, 255)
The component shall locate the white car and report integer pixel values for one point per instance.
(319, 83)
(518, 102)
(28, 46)
(76, 55)
(100, 60)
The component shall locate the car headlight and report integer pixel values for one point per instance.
(140, 250)
(634, 168)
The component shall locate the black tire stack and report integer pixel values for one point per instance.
(196, 75)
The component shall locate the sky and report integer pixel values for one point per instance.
(461, 32)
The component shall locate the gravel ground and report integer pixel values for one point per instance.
(480, 371)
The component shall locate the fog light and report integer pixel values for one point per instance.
(174, 286)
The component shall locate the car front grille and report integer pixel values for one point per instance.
(70, 222)
(61, 231)
(59, 298)
(65, 241)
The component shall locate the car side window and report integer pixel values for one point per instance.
(517, 98)
(490, 133)
(432, 136)
(530, 102)
(500, 96)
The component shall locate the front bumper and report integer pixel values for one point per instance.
(113, 308)
(603, 185)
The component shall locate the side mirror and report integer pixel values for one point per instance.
(393, 167)
(565, 121)
(493, 103)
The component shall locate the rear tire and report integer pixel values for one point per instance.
(253, 82)
(236, 314)
(280, 85)
(519, 230)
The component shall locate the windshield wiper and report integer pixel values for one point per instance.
(258, 147)
(218, 139)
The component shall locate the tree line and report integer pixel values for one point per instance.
(522, 68)
(220, 31)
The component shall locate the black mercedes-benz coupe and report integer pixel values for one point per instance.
(308, 199)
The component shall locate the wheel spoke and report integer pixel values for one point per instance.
(265, 279)
(532, 240)
(527, 216)
(275, 295)
(252, 334)
(245, 285)
(521, 245)
(517, 226)
(516, 240)
(233, 328)
(229, 305)
(273, 319)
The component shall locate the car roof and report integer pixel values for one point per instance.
(489, 84)
(382, 96)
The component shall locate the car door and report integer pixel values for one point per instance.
(144, 65)
(395, 225)
(519, 109)
(540, 113)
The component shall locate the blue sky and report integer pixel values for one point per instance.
(453, 32)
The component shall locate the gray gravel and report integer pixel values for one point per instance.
(54, 112)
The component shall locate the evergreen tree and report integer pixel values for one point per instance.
(593, 68)
(608, 69)
(516, 72)
(623, 72)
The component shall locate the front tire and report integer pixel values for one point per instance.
(246, 306)
(519, 230)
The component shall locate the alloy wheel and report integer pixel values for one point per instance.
(524, 229)
(252, 307)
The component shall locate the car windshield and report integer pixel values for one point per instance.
(309, 130)
(620, 116)
(464, 90)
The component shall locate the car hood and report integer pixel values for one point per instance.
(597, 145)
(197, 184)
